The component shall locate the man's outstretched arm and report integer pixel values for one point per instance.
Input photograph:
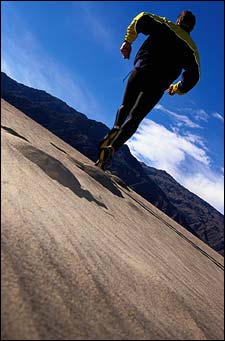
(142, 23)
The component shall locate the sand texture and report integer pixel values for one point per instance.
(86, 258)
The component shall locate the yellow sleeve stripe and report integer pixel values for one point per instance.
(131, 33)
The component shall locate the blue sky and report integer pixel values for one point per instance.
(71, 50)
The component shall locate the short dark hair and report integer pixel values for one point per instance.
(187, 20)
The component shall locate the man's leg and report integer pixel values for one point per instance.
(144, 104)
(129, 98)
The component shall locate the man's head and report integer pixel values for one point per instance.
(186, 20)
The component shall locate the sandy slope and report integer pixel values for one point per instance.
(84, 257)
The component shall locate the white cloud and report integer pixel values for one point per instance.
(218, 116)
(208, 186)
(180, 119)
(161, 145)
(195, 139)
(182, 156)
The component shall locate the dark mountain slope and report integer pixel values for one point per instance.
(84, 135)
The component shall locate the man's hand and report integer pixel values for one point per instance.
(174, 89)
(170, 90)
(125, 50)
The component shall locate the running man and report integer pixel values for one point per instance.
(167, 51)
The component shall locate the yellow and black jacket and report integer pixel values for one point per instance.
(166, 52)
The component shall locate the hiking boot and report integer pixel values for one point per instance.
(105, 157)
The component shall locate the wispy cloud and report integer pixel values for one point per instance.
(25, 61)
(182, 156)
(5, 67)
(201, 115)
(97, 28)
(218, 116)
(195, 112)
(180, 119)
(195, 139)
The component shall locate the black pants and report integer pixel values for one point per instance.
(142, 93)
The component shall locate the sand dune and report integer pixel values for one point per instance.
(86, 258)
